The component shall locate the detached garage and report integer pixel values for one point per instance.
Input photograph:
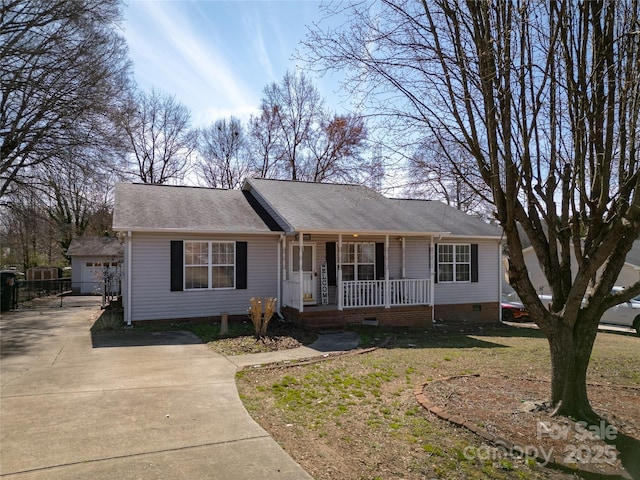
(95, 264)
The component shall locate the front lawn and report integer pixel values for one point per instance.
(356, 416)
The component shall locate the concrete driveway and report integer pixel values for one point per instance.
(127, 405)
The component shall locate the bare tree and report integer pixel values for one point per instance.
(63, 68)
(295, 106)
(264, 144)
(546, 98)
(448, 174)
(336, 148)
(295, 137)
(76, 194)
(223, 160)
(160, 137)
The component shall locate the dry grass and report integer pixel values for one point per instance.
(356, 417)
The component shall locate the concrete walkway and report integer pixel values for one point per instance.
(126, 405)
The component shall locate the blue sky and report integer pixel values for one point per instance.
(216, 56)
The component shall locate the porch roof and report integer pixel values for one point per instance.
(157, 208)
(333, 208)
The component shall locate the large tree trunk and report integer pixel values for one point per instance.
(570, 348)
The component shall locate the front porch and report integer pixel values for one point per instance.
(398, 302)
(362, 293)
(333, 280)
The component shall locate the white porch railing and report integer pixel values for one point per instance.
(381, 293)
(291, 294)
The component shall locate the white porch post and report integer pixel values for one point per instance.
(432, 286)
(387, 291)
(404, 264)
(339, 275)
(300, 276)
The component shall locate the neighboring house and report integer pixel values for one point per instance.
(94, 259)
(629, 274)
(332, 254)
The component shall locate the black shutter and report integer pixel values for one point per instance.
(177, 268)
(241, 265)
(379, 261)
(435, 263)
(331, 263)
(474, 262)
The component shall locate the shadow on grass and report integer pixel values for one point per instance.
(443, 336)
(109, 330)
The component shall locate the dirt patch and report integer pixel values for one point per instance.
(516, 413)
(281, 336)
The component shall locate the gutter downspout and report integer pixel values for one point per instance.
(128, 309)
(279, 269)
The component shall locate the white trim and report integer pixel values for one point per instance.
(314, 266)
(387, 290)
(404, 259)
(339, 291)
(455, 262)
(432, 287)
(197, 231)
(300, 269)
(210, 265)
(279, 269)
(129, 241)
(500, 280)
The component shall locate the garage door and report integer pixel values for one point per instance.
(94, 274)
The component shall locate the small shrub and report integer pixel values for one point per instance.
(261, 321)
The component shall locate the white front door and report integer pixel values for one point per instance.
(308, 270)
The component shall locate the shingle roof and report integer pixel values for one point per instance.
(95, 247)
(325, 207)
(431, 214)
(141, 207)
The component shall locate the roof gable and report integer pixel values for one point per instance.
(326, 207)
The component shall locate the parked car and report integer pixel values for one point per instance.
(512, 308)
(626, 314)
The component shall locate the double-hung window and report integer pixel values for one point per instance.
(358, 261)
(209, 265)
(454, 263)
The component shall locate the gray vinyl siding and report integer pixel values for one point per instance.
(486, 289)
(417, 257)
(151, 295)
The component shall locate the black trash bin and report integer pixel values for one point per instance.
(8, 290)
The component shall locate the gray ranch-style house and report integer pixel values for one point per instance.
(332, 254)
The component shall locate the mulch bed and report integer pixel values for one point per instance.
(513, 414)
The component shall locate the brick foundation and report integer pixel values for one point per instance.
(412, 316)
(468, 313)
